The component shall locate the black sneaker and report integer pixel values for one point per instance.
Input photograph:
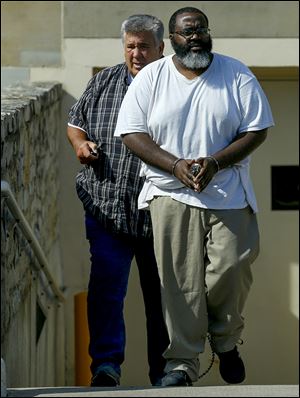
(232, 368)
(176, 378)
(105, 376)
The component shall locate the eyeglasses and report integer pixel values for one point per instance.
(189, 32)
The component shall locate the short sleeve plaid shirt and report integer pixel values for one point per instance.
(109, 187)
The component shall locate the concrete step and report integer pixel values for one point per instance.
(212, 391)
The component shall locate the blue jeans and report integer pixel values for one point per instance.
(111, 257)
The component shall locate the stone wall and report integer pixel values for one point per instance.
(30, 131)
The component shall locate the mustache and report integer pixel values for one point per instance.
(186, 49)
(205, 46)
(196, 43)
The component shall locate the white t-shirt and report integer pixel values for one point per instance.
(196, 118)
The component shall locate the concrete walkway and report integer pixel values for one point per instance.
(219, 391)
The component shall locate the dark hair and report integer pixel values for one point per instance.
(141, 23)
(172, 22)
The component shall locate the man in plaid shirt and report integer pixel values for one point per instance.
(108, 186)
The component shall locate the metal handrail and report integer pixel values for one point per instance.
(29, 235)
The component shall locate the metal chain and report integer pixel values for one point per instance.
(212, 358)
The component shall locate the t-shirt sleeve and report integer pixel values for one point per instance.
(133, 113)
(255, 108)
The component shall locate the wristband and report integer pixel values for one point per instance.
(215, 160)
(175, 164)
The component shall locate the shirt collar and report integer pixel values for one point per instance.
(129, 79)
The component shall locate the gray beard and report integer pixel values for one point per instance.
(195, 61)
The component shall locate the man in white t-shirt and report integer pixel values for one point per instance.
(197, 106)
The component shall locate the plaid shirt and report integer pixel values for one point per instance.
(109, 187)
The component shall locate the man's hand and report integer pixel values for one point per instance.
(86, 152)
(182, 171)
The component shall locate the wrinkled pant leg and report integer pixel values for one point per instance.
(157, 336)
(111, 257)
(178, 242)
(232, 246)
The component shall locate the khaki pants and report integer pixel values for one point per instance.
(204, 259)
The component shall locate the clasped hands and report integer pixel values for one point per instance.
(200, 181)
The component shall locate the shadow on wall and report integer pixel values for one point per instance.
(74, 247)
(73, 241)
(272, 324)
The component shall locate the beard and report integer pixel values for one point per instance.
(193, 60)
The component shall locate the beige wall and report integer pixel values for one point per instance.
(272, 313)
(30, 33)
(106, 52)
(261, 34)
(227, 19)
